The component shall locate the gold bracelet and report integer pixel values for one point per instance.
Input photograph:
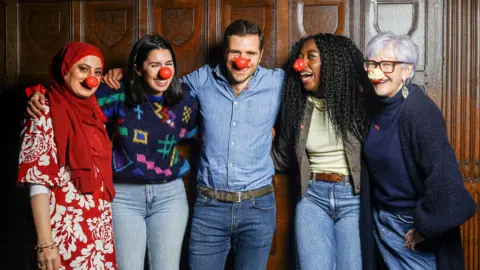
(45, 244)
(41, 249)
(49, 242)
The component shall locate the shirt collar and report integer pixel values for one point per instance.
(155, 98)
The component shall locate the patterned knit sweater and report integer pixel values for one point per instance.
(145, 137)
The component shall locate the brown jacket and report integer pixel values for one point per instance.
(295, 160)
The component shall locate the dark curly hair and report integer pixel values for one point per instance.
(342, 79)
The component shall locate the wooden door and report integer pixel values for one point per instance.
(461, 106)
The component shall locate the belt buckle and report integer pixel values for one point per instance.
(239, 196)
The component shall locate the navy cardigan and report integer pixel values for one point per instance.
(443, 204)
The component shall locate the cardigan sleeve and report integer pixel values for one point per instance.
(445, 202)
(282, 153)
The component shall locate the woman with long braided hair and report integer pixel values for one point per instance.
(319, 134)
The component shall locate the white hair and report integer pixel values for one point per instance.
(398, 47)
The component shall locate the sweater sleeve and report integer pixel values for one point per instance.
(189, 113)
(446, 203)
(110, 100)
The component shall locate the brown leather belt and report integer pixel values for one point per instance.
(328, 177)
(229, 196)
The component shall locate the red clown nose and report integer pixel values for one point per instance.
(165, 73)
(91, 82)
(241, 62)
(299, 65)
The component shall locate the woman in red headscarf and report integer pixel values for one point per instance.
(65, 159)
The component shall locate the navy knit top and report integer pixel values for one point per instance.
(145, 137)
(392, 187)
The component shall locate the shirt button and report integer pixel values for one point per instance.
(235, 103)
(233, 143)
(350, 151)
(355, 168)
(231, 164)
(234, 123)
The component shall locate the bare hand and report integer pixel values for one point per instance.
(35, 104)
(113, 77)
(48, 258)
(273, 133)
(412, 238)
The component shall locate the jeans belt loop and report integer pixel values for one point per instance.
(239, 193)
(251, 194)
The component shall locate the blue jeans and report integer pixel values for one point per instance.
(247, 226)
(150, 217)
(390, 232)
(327, 230)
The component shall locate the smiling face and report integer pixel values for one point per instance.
(87, 66)
(156, 59)
(247, 46)
(310, 75)
(387, 84)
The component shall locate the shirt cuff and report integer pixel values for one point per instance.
(35, 189)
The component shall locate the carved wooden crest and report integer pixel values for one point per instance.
(44, 28)
(411, 4)
(178, 24)
(110, 26)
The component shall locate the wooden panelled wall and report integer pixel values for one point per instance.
(461, 105)
(31, 31)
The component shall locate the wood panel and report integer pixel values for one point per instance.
(3, 33)
(462, 91)
(315, 16)
(461, 105)
(470, 232)
(183, 24)
(112, 27)
(44, 28)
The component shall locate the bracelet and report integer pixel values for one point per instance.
(35, 88)
(45, 244)
(41, 249)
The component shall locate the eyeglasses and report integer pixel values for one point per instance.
(385, 66)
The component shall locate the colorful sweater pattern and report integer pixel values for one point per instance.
(145, 137)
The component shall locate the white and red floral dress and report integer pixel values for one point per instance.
(81, 223)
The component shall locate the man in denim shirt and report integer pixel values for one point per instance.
(235, 203)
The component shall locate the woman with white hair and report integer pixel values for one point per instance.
(412, 196)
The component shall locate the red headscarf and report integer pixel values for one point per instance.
(80, 136)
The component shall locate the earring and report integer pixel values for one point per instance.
(404, 91)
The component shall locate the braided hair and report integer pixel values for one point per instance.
(342, 79)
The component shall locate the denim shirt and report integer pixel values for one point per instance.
(236, 131)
